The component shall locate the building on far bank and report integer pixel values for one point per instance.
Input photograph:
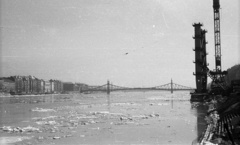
(52, 87)
(7, 85)
(58, 86)
(68, 87)
(47, 87)
(76, 87)
(32, 85)
(42, 88)
(26, 84)
(82, 87)
(18, 84)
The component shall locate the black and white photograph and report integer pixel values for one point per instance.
(119, 72)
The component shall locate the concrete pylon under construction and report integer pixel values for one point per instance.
(200, 58)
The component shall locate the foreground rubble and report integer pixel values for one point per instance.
(223, 121)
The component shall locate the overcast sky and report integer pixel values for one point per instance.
(135, 43)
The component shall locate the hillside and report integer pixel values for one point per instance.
(233, 73)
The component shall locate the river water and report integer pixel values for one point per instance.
(151, 117)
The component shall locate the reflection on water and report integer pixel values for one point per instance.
(199, 110)
(51, 98)
(109, 102)
(14, 110)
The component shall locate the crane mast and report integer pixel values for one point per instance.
(217, 75)
(217, 37)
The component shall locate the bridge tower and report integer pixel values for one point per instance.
(171, 86)
(108, 87)
(200, 58)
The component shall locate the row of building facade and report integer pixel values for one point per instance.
(34, 85)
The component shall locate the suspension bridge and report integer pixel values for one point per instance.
(110, 88)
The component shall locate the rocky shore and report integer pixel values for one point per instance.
(223, 121)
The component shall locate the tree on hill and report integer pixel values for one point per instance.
(233, 74)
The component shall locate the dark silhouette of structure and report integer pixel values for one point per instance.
(218, 85)
(200, 58)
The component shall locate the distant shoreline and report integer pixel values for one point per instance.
(7, 95)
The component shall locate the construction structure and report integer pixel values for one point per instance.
(201, 72)
(217, 38)
(200, 58)
(218, 84)
(217, 74)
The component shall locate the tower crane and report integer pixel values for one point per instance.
(218, 74)
(217, 37)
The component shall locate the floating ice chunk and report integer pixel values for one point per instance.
(19, 129)
(12, 139)
(56, 137)
(30, 129)
(43, 110)
(46, 122)
(6, 128)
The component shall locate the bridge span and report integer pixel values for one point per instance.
(110, 88)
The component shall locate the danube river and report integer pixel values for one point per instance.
(151, 117)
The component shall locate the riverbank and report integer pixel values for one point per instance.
(2, 95)
(223, 119)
